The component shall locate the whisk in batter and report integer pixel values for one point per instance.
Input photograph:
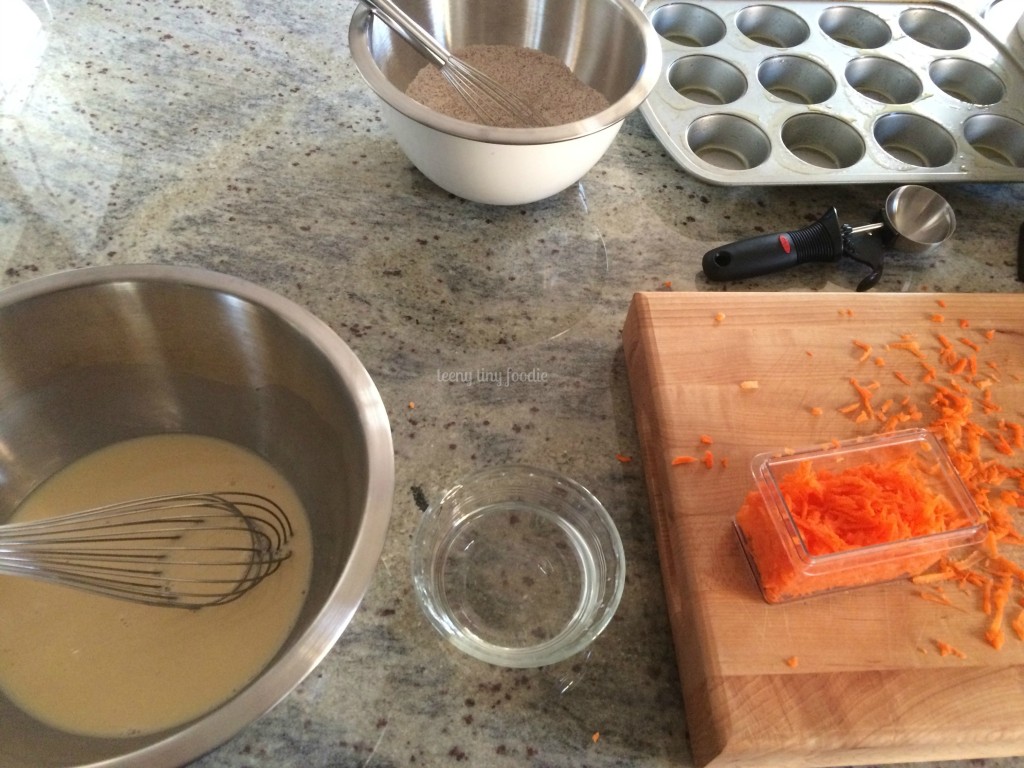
(182, 550)
(85, 663)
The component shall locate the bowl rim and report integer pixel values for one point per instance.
(358, 35)
(282, 676)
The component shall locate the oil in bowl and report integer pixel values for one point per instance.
(518, 566)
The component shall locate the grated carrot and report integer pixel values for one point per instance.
(623, 458)
(945, 649)
(793, 662)
(935, 597)
(683, 460)
(836, 511)
(706, 440)
(709, 459)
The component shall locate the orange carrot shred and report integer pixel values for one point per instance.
(945, 649)
(623, 458)
(968, 343)
(1017, 625)
(709, 459)
(706, 440)
(866, 350)
(683, 460)
(793, 662)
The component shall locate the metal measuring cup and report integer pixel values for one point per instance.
(914, 220)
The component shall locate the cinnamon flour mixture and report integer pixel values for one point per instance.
(538, 78)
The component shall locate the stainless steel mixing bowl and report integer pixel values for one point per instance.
(94, 356)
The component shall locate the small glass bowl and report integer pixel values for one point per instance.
(518, 566)
(784, 567)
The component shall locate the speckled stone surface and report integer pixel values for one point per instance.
(237, 135)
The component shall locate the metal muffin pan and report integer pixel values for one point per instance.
(762, 92)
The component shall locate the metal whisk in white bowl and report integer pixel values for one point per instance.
(182, 551)
(491, 102)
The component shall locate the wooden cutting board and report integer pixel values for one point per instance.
(869, 684)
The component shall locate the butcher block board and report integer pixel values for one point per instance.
(846, 678)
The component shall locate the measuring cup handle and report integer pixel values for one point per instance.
(764, 254)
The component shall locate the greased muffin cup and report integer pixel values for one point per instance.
(789, 93)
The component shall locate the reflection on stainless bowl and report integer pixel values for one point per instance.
(97, 356)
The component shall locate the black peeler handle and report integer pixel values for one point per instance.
(821, 241)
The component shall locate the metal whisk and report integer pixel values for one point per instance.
(183, 551)
(493, 103)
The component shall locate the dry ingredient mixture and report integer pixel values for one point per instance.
(540, 79)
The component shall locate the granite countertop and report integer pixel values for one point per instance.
(238, 136)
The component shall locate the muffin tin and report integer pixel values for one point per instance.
(762, 92)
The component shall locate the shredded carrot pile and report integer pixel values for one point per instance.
(960, 377)
(871, 503)
(861, 505)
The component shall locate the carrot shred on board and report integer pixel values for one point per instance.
(816, 410)
(709, 459)
(623, 458)
(945, 649)
(749, 384)
(935, 597)
(683, 460)
(937, 318)
(903, 379)
(793, 662)
(1017, 625)
(1000, 597)
(865, 350)
(706, 440)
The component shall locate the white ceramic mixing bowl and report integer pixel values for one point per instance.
(608, 44)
